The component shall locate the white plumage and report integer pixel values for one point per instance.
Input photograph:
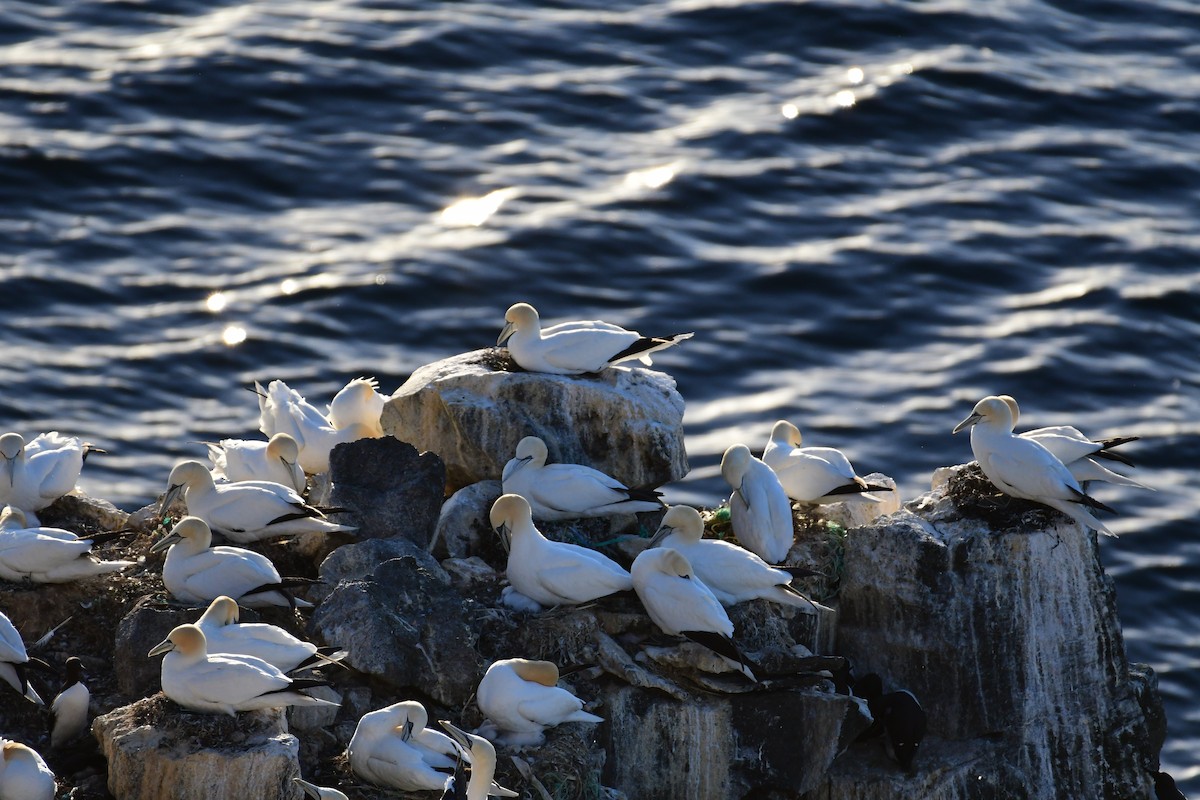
(353, 414)
(46, 555)
(759, 507)
(13, 659)
(276, 460)
(569, 491)
(812, 474)
(394, 747)
(196, 572)
(244, 512)
(319, 792)
(546, 572)
(23, 773)
(573, 348)
(222, 683)
(271, 643)
(482, 757)
(1022, 467)
(733, 574)
(33, 475)
(521, 698)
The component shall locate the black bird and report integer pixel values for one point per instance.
(1165, 788)
(897, 714)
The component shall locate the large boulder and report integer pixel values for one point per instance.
(472, 410)
(388, 488)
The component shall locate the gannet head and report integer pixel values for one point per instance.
(184, 476)
(990, 410)
(187, 640)
(734, 465)
(519, 317)
(1011, 402)
(507, 512)
(684, 521)
(12, 445)
(193, 530)
(407, 717)
(533, 450)
(13, 518)
(357, 402)
(543, 672)
(319, 792)
(221, 612)
(482, 758)
(664, 560)
(284, 447)
(785, 433)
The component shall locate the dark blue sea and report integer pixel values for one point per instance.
(871, 214)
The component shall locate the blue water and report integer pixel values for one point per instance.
(871, 214)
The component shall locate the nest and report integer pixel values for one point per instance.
(976, 497)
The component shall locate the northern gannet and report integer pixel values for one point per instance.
(33, 475)
(353, 414)
(46, 555)
(758, 507)
(482, 756)
(275, 460)
(13, 661)
(319, 792)
(546, 572)
(271, 643)
(573, 348)
(569, 491)
(813, 474)
(521, 698)
(394, 747)
(23, 773)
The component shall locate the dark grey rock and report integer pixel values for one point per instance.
(146, 624)
(389, 488)
(358, 561)
(463, 525)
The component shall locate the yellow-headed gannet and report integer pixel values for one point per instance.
(34, 475)
(681, 605)
(196, 572)
(46, 555)
(13, 661)
(222, 683)
(1024, 468)
(813, 474)
(244, 512)
(569, 491)
(521, 698)
(275, 460)
(353, 414)
(319, 792)
(23, 773)
(759, 507)
(547, 573)
(482, 757)
(1077, 452)
(573, 348)
(394, 747)
(269, 642)
(70, 707)
(733, 574)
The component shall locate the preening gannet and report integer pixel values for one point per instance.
(269, 642)
(522, 698)
(394, 747)
(23, 773)
(813, 474)
(276, 460)
(46, 555)
(569, 491)
(759, 507)
(353, 414)
(550, 573)
(34, 475)
(573, 348)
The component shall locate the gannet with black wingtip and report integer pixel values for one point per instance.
(814, 475)
(1078, 453)
(35, 474)
(70, 707)
(482, 756)
(46, 555)
(221, 683)
(24, 774)
(569, 491)
(319, 792)
(1024, 468)
(548, 573)
(759, 507)
(521, 698)
(574, 348)
(269, 642)
(196, 572)
(353, 415)
(681, 605)
(244, 512)
(276, 460)
(13, 661)
(733, 574)
(394, 747)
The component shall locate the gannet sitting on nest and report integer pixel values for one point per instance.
(353, 414)
(814, 475)
(759, 507)
(394, 747)
(23, 773)
(46, 555)
(33, 475)
(276, 460)
(269, 642)
(521, 698)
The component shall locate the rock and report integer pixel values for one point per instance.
(389, 488)
(997, 615)
(146, 624)
(463, 525)
(358, 561)
(473, 408)
(471, 574)
(155, 751)
(309, 718)
(406, 626)
(82, 514)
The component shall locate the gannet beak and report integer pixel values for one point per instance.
(457, 735)
(966, 423)
(738, 492)
(170, 497)
(502, 532)
(509, 330)
(165, 646)
(12, 470)
(165, 542)
(663, 532)
(406, 730)
(514, 466)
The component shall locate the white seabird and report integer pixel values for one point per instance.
(70, 707)
(33, 475)
(759, 507)
(573, 348)
(269, 642)
(1079, 453)
(569, 491)
(196, 572)
(24, 775)
(13, 659)
(482, 757)
(276, 460)
(547, 573)
(46, 555)
(319, 792)
(1024, 468)
(521, 698)
(814, 475)
(221, 683)
(353, 414)
(394, 747)
(681, 605)
(244, 512)
(733, 574)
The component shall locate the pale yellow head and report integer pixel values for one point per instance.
(543, 672)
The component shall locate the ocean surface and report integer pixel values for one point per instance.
(871, 214)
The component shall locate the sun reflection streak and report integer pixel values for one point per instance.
(474, 211)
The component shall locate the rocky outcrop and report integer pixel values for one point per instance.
(388, 488)
(472, 410)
